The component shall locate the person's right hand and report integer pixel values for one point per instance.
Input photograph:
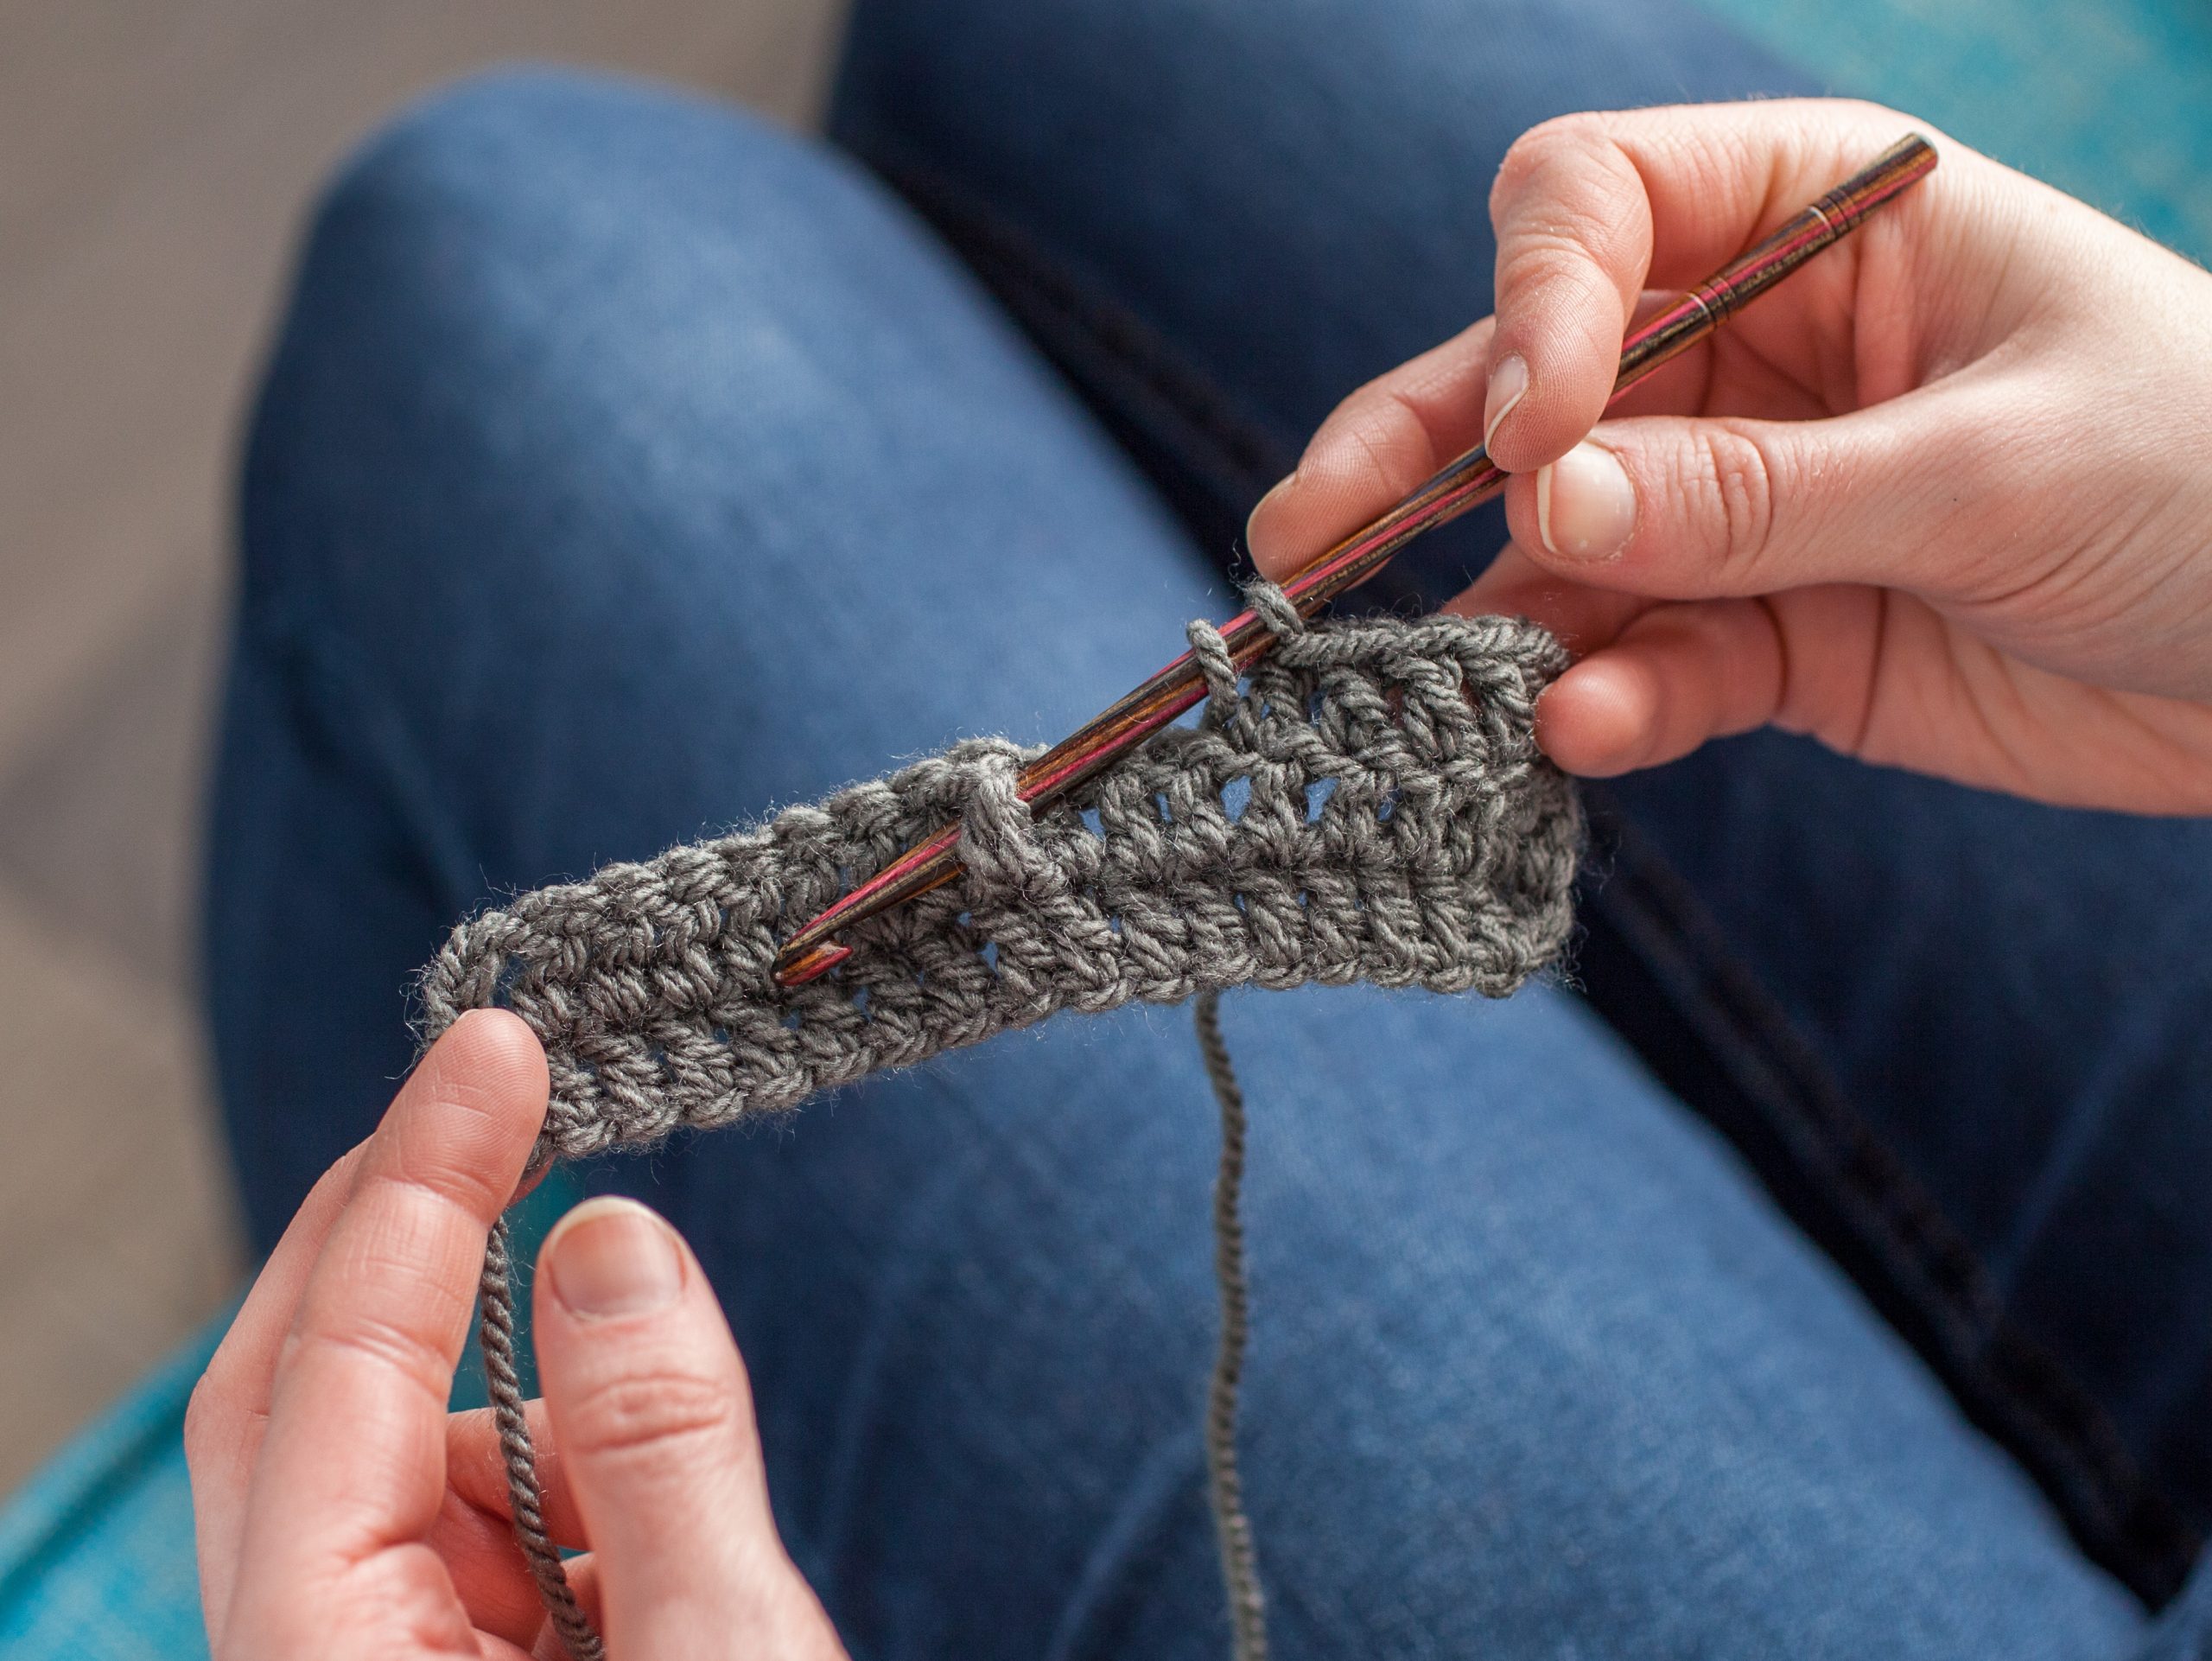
(1941, 498)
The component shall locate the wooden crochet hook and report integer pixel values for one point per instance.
(1471, 479)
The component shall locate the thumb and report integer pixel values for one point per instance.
(654, 1420)
(1693, 509)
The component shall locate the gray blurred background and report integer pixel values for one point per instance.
(156, 160)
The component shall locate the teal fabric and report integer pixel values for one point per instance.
(95, 1557)
(96, 1550)
(2111, 101)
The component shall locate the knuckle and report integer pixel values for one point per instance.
(1537, 151)
(1559, 260)
(462, 1171)
(416, 1198)
(372, 1341)
(1731, 486)
(1385, 433)
(668, 1416)
(1377, 438)
(1569, 206)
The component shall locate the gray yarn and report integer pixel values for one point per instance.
(1232, 1527)
(495, 1336)
(1398, 827)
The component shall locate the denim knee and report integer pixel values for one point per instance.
(485, 285)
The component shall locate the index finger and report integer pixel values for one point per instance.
(1591, 209)
(352, 1459)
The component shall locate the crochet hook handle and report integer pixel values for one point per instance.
(1464, 483)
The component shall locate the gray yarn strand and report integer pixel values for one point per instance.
(526, 1495)
(1239, 1570)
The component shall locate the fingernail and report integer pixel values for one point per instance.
(1586, 507)
(1508, 384)
(612, 1257)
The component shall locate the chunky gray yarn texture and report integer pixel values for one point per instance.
(1368, 804)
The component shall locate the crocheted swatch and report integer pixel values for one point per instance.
(1369, 805)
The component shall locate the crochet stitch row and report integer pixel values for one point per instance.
(1369, 805)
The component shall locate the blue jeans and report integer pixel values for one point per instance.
(1826, 1272)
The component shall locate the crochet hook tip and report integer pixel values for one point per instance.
(812, 964)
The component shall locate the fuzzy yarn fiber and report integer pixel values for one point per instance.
(1369, 805)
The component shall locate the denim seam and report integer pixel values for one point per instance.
(2072, 1444)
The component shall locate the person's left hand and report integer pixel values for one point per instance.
(342, 1512)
